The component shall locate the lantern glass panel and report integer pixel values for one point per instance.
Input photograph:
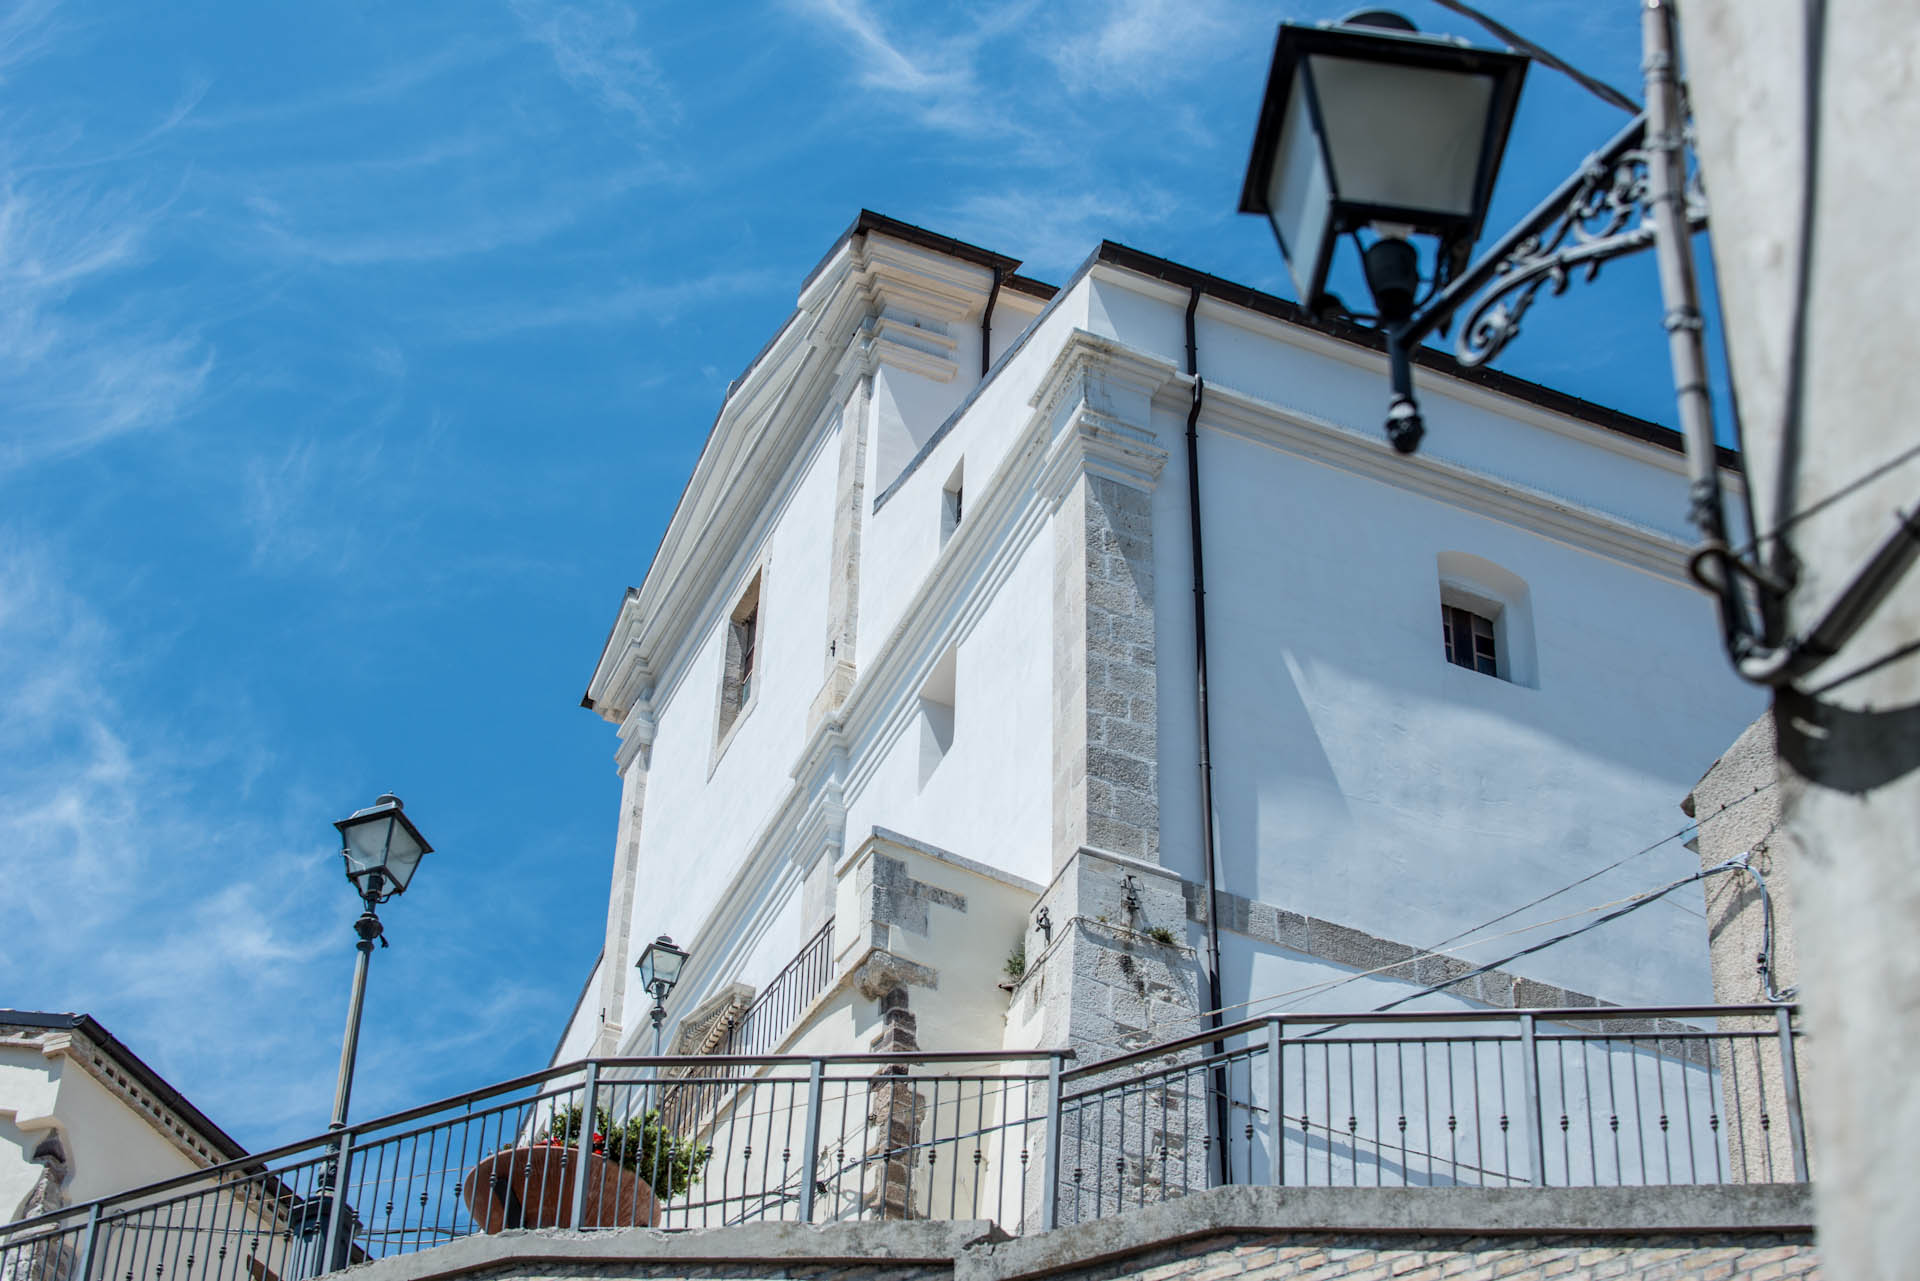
(1299, 191)
(384, 844)
(1401, 136)
(661, 963)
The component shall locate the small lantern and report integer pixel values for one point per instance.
(659, 968)
(382, 848)
(1369, 123)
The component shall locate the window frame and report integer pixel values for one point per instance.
(737, 696)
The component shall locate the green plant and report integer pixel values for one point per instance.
(1016, 966)
(670, 1165)
(1161, 935)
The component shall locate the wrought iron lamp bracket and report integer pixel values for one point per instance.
(1598, 214)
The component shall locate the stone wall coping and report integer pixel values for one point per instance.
(1479, 1212)
(979, 1250)
(887, 836)
(936, 1241)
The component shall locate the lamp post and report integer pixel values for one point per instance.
(659, 968)
(382, 849)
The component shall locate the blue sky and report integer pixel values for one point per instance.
(351, 359)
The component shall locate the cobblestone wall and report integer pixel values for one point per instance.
(1347, 1256)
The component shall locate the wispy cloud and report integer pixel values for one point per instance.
(1053, 232)
(146, 887)
(1140, 45)
(934, 73)
(597, 48)
(658, 301)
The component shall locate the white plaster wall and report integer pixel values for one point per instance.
(698, 828)
(29, 1084)
(1361, 778)
(110, 1148)
(577, 1041)
(990, 798)
(903, 535)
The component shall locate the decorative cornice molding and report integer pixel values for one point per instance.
(1562, 520)
(1093, 444)
(79, 1049)
(636, 733)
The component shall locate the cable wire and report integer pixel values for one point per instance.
(1328, 985)
(1598, 88)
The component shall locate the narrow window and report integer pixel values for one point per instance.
(951, 503)
(743, 634)
(1469, 639)
(1486, 619)
(936, 714)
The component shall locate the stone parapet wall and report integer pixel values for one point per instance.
(1362, 1256)
(1262, 1234)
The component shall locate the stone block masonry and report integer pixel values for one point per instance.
(1105, 714)
(1261, 1234)
(1351, 1256)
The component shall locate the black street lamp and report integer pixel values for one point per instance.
(382, 849)
(659, 968)
(1370, 127)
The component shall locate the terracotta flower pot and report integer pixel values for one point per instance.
(533, 1188)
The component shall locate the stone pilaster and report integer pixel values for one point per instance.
(1105, 758)
(633, 758)
(843, 582)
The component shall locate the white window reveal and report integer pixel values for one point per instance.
(1486, 619)
(936, 714)
(740, 671)
(952, 497)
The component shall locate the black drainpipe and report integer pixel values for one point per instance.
(986, 326)
(1222, 1116)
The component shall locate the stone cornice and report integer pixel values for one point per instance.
(81, 1051)
(1093, 444)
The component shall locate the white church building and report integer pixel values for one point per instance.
(980, 587)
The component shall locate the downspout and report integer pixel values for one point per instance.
(986, 325)
(1222, 1117)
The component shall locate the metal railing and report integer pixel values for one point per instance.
(1545, 1097)
(760, 1027)
(662, 1142)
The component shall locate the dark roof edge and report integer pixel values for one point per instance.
(135, 1066)
(871, 221)
(1517, 388)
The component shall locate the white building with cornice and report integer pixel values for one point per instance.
(909, 702)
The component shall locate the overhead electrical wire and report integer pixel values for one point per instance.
(1325, 986)
(1598, 88)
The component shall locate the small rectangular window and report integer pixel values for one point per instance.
(951, 503)
(1469, 639)
(742, 644)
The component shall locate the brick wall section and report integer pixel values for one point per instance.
(1351, 1256)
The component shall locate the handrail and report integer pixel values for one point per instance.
(555, 1080)
(1563, 1014)
(321, 1145)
